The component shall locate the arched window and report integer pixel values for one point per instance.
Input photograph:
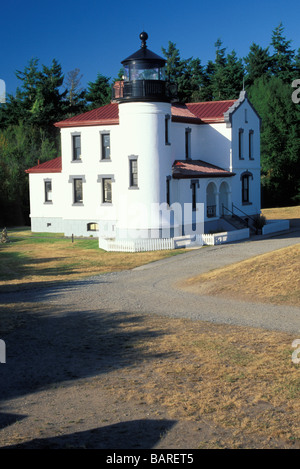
(245, 178)
(92, 227)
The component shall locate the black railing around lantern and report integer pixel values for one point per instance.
(147, 89)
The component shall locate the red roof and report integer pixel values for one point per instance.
(197, 169)
(180, 113)
(51, 166)
(108, 114)
(194, 113)
(211, 111)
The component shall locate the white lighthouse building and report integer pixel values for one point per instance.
(147, 167)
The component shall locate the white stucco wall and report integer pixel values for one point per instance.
(141, 133)
(240, 166)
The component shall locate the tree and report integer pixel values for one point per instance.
(283, 64)
(98, 92)
(30, 78)
(280, 140)
(187, 74)
(50, 103)
(227, 74)
(174, 63)
(258, 63)
(75, 94)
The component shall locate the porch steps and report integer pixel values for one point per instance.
(238, 223)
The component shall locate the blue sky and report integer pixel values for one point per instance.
(95, 36)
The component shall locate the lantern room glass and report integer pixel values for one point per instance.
(141, 71)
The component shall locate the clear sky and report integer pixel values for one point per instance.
(95, 36)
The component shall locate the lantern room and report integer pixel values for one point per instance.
(144, 77)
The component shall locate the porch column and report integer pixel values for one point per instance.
(217, 204)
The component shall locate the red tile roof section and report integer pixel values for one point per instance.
(51, 166)
(180, 113)
(211, 111)
(197, 169)
(108, 114)
(194, 113)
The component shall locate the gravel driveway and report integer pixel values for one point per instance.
(152, 288)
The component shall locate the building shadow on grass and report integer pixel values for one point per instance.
(135, 434)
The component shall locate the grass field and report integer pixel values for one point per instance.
(273, 277)
(286, 213)
(30, 258)
(238, 381)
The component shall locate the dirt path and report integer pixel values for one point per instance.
(74, 361)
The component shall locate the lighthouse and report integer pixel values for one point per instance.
(145, 114)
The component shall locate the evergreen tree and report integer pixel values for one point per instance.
(99, 92)
(228, 73)
(50, 105)
(258, 63)
(283, 65)
(30, 79)
(187, 74)
(208, 79)
(280, 140)
(174, 63)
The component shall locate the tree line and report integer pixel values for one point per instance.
(46, 96)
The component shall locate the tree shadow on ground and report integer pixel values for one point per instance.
(135, 434)
(43, 349)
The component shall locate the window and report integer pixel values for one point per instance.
(77, 191)
(246, 116)
(241, 136)
(251, 134)
(48, 191)
(188, 143)
(92, 227)
(133, 173)
(76, 147)
(105, 146)
(194, 185)
(167, 129)
(168, 189)
(106, 191)
(245, 189)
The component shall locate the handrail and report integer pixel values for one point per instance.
(241, 219)
(248, 216)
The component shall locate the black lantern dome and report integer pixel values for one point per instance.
(144, 76)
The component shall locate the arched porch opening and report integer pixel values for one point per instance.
(211, 200)
(224, 198)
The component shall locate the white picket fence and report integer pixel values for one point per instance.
(226, 237)
(139, 245)
(136, 245)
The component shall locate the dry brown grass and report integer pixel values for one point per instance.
(273, 277)
(239, 380)
(282, 213)
(33, 258)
